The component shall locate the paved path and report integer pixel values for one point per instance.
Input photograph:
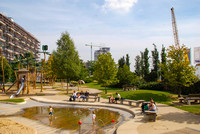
(170, 119)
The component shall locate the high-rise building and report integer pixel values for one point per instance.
(15, 40)
(101, 50)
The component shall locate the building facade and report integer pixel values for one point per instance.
(15, 40)
(101, 50)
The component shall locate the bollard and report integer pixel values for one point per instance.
(80, 122)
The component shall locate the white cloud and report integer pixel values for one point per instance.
(119, 5)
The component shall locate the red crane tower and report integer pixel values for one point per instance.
(91, 45)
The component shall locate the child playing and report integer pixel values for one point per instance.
(50, 111)
(93, 117)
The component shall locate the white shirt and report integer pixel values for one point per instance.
(74, 94)
(93, 116)
(118, 95)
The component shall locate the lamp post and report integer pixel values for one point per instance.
(44, 48)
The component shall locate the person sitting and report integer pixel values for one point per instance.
(112, 100)
(152, 106)
(117, 98)
(86, 95)
(74, 96)
(82, 95)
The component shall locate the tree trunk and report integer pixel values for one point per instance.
(179, 91)
(67, 86)
(105, 89)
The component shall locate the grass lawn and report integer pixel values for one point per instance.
(13, 100)
(191, 109)
(158, 96)
(97, 86)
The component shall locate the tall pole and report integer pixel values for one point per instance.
(41, 77)
(44, 65)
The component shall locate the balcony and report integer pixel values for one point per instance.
(12, 44)
(29, 40)
(18, 46)
(1, 39)
(16, 38)
(18, 33)
(8, 50)
(1, 22)
(12, 29)
(23, 42)
(9, 35)
(16, 52)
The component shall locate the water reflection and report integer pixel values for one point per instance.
(68, 118)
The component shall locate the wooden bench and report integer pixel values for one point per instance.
(138, 102)
(189, 98)
(129, 87)
(93, 96)
(90, 96)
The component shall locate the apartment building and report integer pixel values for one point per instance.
(15, 40)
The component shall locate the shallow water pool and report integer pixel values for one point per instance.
(68, 117)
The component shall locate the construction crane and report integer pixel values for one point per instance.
(91, 45)
(175, 30)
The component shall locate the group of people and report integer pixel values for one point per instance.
(114, 100)
(80, 95)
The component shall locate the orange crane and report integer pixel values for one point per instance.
(174, 26)
(91, 45)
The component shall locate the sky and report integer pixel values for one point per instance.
(126, 26)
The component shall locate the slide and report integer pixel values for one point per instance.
(18, 91)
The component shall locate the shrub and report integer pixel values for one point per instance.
(152, 86)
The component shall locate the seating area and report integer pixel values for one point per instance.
(137, 102)
(191, 98)
(91, 96)
(129, 87)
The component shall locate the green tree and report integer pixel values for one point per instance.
(66, 59)
(121, 62)
(142, 67)
(7, 70)
(137, 65)
(105, 70)
(84, 72)
(125, 76)
(163, 61)
(127, 60)
(178, 72)
(146, 64)
(156, 62)
(90, 65)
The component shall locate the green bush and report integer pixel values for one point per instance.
(193, 89)
(152, 86)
